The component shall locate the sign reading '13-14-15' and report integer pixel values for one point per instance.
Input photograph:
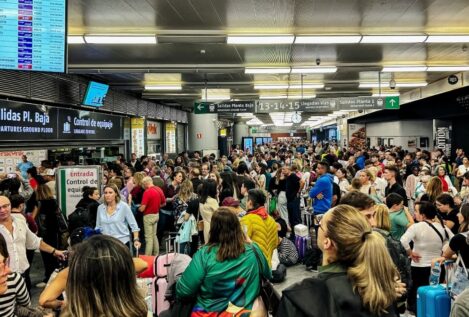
(306, 105)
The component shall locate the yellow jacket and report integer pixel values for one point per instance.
(262, 229)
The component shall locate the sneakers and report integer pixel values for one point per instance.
(41, 285)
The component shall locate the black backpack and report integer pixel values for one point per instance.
(80, 217)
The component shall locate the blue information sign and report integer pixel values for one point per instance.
(33, 34)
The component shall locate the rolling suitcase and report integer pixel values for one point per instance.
(433, 301)
(301, 244)
(162, 263)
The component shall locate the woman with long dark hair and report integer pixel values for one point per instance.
(224, 275)
(105, 267)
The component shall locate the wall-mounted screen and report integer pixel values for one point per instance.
(259, 141)
(33, 34)
(95, 94)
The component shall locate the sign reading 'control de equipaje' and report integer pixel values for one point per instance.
(24, 121)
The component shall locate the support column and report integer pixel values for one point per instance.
(240, 129)
(203, 132)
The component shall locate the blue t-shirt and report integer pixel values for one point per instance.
(23, 167)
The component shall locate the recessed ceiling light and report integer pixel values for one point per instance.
(327, 39)
(260, 39)
(383, 39)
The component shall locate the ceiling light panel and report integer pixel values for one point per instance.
(386, 95)
(311, 86)
(75, 39)
(120, 39)
(385, 39)
(402, 69)
(163, 87)
(215, 94)
(260, 39)
(448, 68)
(324, 39)
(270, 86)
(447, 39)
(314, 70)
(267, 70)
(386, 85)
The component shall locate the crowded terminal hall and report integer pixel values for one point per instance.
(234, 158)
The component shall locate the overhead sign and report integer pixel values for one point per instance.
(442, 130)
(70, 181)
(224, 107)
(86, 125)
(23, 121)
(327, 104)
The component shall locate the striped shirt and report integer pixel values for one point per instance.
(16, 294)
(287, 253)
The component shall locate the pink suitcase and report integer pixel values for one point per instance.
(162, 263)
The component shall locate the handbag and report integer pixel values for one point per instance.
(273, 204)
(267, 293)
(64, 234)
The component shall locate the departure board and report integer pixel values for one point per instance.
(33, 35)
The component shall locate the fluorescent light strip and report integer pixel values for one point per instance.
(267, 70)
(120, 39)
(215, 98)
(75, 39)
(314, 70)
(383, 39)
(163, 87)
(386, 95)
(270, 86)
(447, 39)
(314, 86)
(386, 85)
(288, 97)
(324, 39)
(401, 69)
(260, 39)
(448, 68)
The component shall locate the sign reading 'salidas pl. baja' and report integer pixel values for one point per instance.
(70, 183)
(22, 121)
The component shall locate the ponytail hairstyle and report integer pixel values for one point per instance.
(364, 253)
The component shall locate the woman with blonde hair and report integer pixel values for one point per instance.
(358, 277)
(382, 217)
(434, 189)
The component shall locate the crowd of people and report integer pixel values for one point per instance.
(380, 218)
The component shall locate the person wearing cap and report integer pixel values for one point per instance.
(49, 177)
(233, 205)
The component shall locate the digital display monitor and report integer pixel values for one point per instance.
(267, 140)
(259, 141)
(248, 144)
(95, 94)
(33, 35)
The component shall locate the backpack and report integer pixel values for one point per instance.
(80, 217)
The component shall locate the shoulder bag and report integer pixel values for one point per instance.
(270, 299)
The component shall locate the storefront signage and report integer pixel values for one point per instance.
(24, 121)
(224, 107)
(70, 181)
(86, 125)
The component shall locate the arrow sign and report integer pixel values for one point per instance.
(392, 102)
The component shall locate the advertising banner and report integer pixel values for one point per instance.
(10, 159)
(357, 135)
(70, 181)
(138, 136)
(442, 135)
(153, 130)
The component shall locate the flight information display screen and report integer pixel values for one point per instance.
(33, 35)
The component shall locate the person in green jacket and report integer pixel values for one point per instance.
(225, 274)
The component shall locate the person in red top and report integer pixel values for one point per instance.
(153, 199)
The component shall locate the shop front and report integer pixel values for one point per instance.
(58, 134)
